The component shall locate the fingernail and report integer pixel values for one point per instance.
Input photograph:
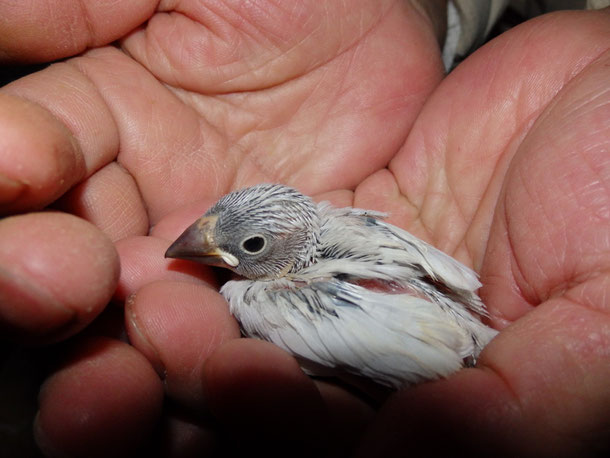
(139, 339)
(10, 189)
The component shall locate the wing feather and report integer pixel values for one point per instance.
(393, 339)
(359, 242)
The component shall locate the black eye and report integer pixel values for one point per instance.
(253, 244)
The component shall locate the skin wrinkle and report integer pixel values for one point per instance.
(157, 361)
(606, 291)
(562, 258)
(437, 195)
(418, 209)
(575, 71)
(517, 274)
(417, 218)
(141, 200)
(522, 261)
(214, 335)
(595, 169)
(502, 164)
(579, 292)
(260, 166)
(584, 102)
(516, 402)
(212, 26)
(480, 213)
(330, 105)
(183, 50)
(253, 30)
(331, 58)
(214, 32)
(429, 227)
(218, 163)
(120, 211)
(77, 64)
(500, 157)
(236, 152)
(402, 196)
(257, 159)
(559, 256)
(267, 33)
(120, 135)
(194, 147)
(455, 204)
(152, 40)
(84, 13)
(494, 172)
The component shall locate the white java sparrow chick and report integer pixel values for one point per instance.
(338, 288)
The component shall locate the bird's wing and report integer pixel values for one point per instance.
(360, 243)
(393, 339)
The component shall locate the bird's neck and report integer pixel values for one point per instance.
(310, 249)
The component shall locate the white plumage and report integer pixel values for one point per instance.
(351, 294)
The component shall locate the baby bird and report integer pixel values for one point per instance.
(338, 288)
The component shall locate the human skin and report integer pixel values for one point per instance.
(503, 164)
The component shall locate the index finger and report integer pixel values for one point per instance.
(29, 36)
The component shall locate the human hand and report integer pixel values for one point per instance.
(251, 100)
(517, 195)
(185, 330)
(507, 167)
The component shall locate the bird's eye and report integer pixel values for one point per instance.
(254, 244)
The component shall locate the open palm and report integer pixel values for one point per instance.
(505, 167)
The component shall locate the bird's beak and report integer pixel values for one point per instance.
(197, 244)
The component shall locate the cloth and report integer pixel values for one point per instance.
(470, 22)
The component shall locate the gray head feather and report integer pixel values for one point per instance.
(271, 229)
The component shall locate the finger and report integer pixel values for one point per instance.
(280, 44)
(35, 31)
(286, 120)
(183, 433)
(263, 400)
(111, 201)
(57, 273)
(143, 262)
(39, 158)
(56, 130)
(174, 157)
(338, 198)
(547, 392)
(177, 325)
(349, 416)
(471, 414)
(542, 391)
(550, 230)
(174, 223)
(451, 170)
(104, 401)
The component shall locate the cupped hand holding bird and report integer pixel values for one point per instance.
(504, 168)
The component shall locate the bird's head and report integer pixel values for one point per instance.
(261, 232)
